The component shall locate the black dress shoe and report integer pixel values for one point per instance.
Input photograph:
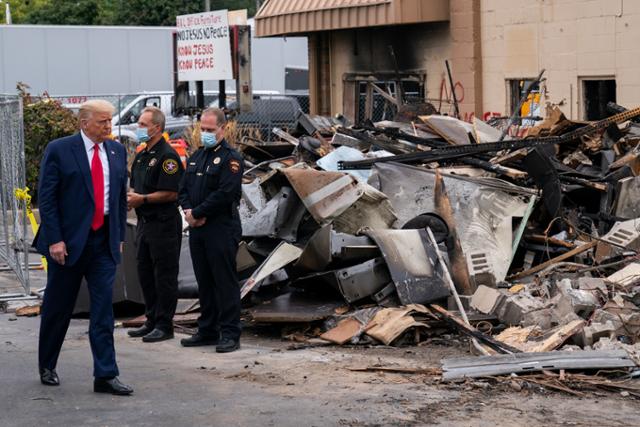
(227, 345)
(140, 332)
(112, 386)
(198, 340)
(49, 377)
(157, 335)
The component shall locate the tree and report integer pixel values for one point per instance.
(115, 12)
(19, 10)
(67, 12)
(44, 120)
(164, 12)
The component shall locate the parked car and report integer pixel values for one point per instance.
(269, 112)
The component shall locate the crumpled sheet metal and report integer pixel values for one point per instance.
(327, 246)
(628, 194)
(456, 131)
(284, 254)
(325, 194)
(372, 210)
(623, 234)
(413, 264)
(277, 218)
(339, 198)
(483, 210)
(354, 283)
(330, 161)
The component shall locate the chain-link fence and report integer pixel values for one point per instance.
(14, 245)
(269, 112)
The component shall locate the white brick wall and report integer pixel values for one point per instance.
(570, 38)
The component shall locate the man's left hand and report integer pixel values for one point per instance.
(134, 200)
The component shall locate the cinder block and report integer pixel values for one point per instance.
(593, 284)
(581, 302)
(544, 318)
(592, 333)
(515, 307)
(486, 299)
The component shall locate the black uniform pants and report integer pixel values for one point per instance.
(213, 253)
(158, 256)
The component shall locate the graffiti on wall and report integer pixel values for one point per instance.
(447, 97)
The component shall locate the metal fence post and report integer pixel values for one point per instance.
(14, 247)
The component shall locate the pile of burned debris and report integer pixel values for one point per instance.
(391, 232)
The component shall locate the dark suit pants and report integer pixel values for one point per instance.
(97, 266)
(213, 254)
(158, 256)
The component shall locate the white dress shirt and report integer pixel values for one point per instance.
(88, 146)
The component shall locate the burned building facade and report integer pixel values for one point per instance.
(495, 47)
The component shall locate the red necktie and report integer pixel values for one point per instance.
(98, 188)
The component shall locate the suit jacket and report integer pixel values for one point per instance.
(65, 197)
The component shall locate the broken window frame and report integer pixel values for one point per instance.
(582, 95)
(521, 83)
(377, 83)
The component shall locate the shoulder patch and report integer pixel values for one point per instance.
(234, 165)
(170, 166)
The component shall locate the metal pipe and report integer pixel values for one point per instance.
(454, 292)
(453, 90)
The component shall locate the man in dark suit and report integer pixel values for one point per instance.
(83, 207)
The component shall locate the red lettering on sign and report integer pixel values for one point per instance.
(204, 63)
(185, 65)
(184, 50)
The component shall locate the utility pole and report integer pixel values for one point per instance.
(200, 83)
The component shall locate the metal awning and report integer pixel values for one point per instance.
(283, 17)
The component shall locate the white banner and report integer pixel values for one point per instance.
(204, 52)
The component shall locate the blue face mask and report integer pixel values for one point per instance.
(208, 139)
(142, 134)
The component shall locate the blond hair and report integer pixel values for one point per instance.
(157, 116)
(95, 106)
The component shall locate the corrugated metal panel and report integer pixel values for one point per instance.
(278, 17)
(284, 7)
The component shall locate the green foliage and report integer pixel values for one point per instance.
(44, 120)
(114, 12)
(20, 9)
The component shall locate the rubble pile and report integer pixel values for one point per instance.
(375, 229)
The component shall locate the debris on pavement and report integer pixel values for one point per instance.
(540, 234)
(399, 233)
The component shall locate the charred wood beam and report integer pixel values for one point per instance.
(489, 341)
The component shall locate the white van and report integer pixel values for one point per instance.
(129, 107)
